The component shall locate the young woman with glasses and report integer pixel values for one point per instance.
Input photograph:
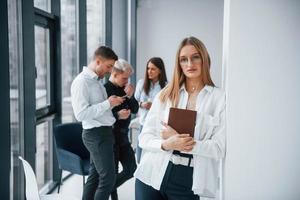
(175, 165)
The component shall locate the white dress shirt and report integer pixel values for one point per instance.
(89, 100)
(141, 96)
(209, 136)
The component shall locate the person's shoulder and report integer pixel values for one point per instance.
(79, 78)
(218, 95)
(79, 82)
(108, 84)
(140, 83)
(217, 91)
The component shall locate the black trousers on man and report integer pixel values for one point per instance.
(125, 155)
(101, 180)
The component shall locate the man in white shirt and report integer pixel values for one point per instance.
(92, 107)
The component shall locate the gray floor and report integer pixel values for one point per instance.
(73, 186)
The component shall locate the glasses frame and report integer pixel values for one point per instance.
(194, 59)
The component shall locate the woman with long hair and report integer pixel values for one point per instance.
(176, 165)
(146, 89)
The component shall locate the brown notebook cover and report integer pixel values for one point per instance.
(182, 120)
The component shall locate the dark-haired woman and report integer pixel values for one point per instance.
(146, 89)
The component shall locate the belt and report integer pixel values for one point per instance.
(179, 160)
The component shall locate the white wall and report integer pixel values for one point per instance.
(263, 101)
(162, 24)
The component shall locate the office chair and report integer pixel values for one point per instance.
(32, 192)
(71, 153)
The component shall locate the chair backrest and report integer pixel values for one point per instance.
(68, 136)
(32, 191)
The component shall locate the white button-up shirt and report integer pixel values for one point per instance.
(209, 136)
(141, 96)
(89, 100)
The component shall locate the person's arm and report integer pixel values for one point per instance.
(83, 110)
(213, 147)
(115, 114)
(150, 138)
(138, 90)
(133, 105)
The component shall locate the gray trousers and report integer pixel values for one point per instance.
(101, 180)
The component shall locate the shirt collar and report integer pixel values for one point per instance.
(207, 88)
(90, 73)
(154, 85)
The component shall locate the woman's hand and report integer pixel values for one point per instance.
(168, 131)
(179, 142)
(146, 105)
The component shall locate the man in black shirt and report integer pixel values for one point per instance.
(118, 85)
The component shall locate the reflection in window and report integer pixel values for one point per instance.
(15, 66)
(69, 50)
(95, 26)
(42, 63)
(43, 5)
(43, 153)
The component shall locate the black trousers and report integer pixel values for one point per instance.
(101, 180)
(124, 154)
(176, 185)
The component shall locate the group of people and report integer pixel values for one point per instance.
(171, 165)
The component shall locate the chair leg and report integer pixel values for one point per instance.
(60, 180)
(83, 181)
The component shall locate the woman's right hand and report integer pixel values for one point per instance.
(179, 142)
(168, 131)
(146, 105)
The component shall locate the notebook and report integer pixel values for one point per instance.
(182, 120)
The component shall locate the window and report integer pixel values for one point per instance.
(42, 64)
(46, 70)
(95, 26)
(70, 52)
(43, 153)
(15, 70)
(43, 5)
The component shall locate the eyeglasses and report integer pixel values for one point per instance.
(195, 59)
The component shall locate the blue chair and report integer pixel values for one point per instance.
(71, 153)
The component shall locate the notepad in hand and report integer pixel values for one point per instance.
(182, 120)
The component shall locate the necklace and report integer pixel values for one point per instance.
(193, 89)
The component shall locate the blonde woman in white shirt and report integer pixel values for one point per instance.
(174, 165)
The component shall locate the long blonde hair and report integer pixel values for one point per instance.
(171, 91)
